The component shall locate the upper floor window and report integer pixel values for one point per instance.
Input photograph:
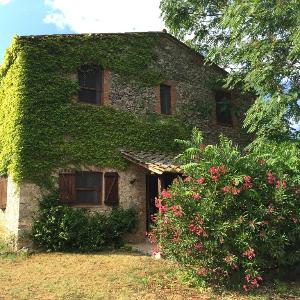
(223, 108)
(90, 81)
(165, 99)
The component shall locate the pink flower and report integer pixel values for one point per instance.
(235, 191)
(222, 169)
(249, 253)
(166, 194)
(271, 178)
(270, 208)
(177, 211)
(247, 182)
(281, 184)
(187, 179)
(214, 171)
(245, 287)
(196, 196)
(226, 189)
(198, 246)
(201, 180)
(163, 209)
(198, 230)
(152, 237)
(265, 222)
(153, 218)
(214, 178)
(157, 202)
(252, 281)
(176, 237)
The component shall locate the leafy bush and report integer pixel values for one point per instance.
(231, 218)
(61, 228)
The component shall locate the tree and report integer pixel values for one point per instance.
(258, 41)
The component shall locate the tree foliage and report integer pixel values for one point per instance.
(235, 216)
(259, 41)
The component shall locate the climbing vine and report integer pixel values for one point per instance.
(42, 130)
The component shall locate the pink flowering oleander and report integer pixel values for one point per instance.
(166, 194)
(196, 196)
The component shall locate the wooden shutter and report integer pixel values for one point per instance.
(3, 192)
(111, 189)
(67, 187)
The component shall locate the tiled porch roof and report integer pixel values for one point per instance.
(154, 162)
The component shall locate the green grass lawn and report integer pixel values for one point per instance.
(115, 275)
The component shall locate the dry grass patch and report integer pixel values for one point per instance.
(99, 276)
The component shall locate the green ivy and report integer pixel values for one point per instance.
(42, 130)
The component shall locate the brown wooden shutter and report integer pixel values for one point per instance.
(3, 192)
(111, 189)
(67, 187)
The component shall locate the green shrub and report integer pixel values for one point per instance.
(61, 228)
(231, 218)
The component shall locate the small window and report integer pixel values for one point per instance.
(223, 108)
(90, 81)
(3, 192)
(165, 99)
(111, 189)
(81, 188)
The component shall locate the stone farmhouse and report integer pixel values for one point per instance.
(95, 116)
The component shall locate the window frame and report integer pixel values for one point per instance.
(230, 122)
(68, 189)
(98, 189)
(168, 110)
(98, 86)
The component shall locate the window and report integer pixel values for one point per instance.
(165, 99)
(223, 108)
(81, 188)
(111, 189)
(90, 81)
(85, 188)
(3, 192)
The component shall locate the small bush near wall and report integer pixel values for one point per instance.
(233, 219)
(62, 228)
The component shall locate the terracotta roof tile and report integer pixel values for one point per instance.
(154, 162)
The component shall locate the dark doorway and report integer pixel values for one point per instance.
(154, 185)
(167, 179)
(152, 193)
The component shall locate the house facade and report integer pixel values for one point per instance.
(95, 116)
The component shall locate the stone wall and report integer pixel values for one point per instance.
(23, 204)
(194, 84)
(9, 218)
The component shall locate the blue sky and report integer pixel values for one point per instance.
(31, 17)
(24, 19)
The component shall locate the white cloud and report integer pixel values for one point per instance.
(105, 15)
(3, 2)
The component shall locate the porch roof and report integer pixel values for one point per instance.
(154, 162)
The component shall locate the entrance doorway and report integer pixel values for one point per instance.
(154, 185)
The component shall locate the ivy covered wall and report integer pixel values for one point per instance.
(42, 130)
